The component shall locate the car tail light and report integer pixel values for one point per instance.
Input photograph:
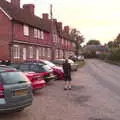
(1, 91)
(38, 78)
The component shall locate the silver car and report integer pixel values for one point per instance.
(15, 90)
(60, 62)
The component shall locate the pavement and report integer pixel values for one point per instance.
(94, 96)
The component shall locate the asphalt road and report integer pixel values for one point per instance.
(95, 95)
(108, 75)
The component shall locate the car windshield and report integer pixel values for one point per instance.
(13, 77)
(50, 63)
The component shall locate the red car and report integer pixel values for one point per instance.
(36, 79)
(57, 70)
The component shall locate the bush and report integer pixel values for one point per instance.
(114, 55)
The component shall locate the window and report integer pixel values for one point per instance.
(13, 77)
(39, 35)
(40, 54)
(42, 35)
(62, 41)
(34, 68)
(26, 30)
(24, 67)
(37, 54)
(35, 33)
(24, 53)
(31, 52)
(46, 52)
(49, 52)
(16, 51)
(43, 52)
(56, 53)
(73, 44)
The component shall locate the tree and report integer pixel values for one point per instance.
(77, 38)
(93, 42)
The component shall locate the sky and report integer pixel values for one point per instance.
(95, 19)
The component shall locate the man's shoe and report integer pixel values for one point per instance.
(65, 88)
(70, 88)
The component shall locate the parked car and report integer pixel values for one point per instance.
(57, 70)
(44, 69)
(15, 90)
(37, 80)
(81, 58)
(60, 62)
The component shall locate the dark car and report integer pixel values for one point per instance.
(44, 69)
(15, 90)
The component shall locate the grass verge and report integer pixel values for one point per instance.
(80, 63)
(113, 62)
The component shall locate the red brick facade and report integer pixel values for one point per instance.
(21, 39)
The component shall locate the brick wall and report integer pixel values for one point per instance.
(5, 36)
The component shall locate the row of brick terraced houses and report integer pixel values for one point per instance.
(23, 35)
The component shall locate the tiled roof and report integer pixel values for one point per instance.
(20, 15)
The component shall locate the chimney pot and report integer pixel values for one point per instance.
(66, 29)
(45, 16)
(16, 3)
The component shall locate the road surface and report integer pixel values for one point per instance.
(95, 95)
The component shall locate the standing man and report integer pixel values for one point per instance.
(67, 75)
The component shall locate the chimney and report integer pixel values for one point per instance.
(66, 29)
(54, 20)
(29, 8)
(16, 3)
(59, 25)
(45, 16)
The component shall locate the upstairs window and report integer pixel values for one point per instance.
(26, 30)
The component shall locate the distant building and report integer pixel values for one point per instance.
(94, 50)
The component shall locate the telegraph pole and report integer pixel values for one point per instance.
(52, 32)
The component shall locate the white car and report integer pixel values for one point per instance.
(60, 62)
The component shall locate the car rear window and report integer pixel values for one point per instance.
(13, 77)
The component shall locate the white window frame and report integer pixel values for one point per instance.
(30, 52)
(26, 30)
(16, 51)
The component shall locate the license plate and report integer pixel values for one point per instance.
(21, 92)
